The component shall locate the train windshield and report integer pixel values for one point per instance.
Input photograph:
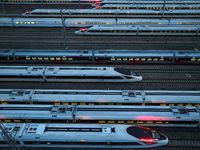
(123, 71)
(140, 132)
(83, 29)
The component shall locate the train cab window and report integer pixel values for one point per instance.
(140, 132)
(123, 71)
(46, 58)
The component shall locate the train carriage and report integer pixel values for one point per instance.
(174, 116)
(67, 74)
(83, 135)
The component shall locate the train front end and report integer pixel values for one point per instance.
(147, 137)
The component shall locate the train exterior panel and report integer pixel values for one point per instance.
(187, 116)
(84, 135)
(21, 73)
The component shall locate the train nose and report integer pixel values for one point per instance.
(139, 78)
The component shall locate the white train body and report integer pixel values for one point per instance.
(111, 97)
(83, 136)
(67, 74)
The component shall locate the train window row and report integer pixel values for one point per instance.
(155, 8)
(20, 1)
(53, 58)
(16, 22)
(4, 22)
(80, 13)
(147, 31)
(103, 58)
(134, 59)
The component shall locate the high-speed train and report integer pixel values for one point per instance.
(67, 74)
(148, 2)
(99, 97)
(135, 30)
(88, 22)
(112, 13)
(100, 56)
(83, 135)
(98, 1)
(170, 116)
(148, 6)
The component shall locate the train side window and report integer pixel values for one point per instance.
(46, 58)
(52, 58)
(112, 59)
(70, 58)
(149, 59)
(198, 59)
(125, 59)
(64, 58)
(40, 58)
(24, 22)
(58, 58)
(28, 58)
(161, 59)
(21, 22)
(28, 22)
(119, 59)
(193, 59)
(143, 59)
(130, 58)
(137, 59)
(32, 22)
(155, 59)
(16, 22)
(34, 58)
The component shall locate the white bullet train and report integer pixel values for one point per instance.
(83, 136)
(99, 97)
(67, 74)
